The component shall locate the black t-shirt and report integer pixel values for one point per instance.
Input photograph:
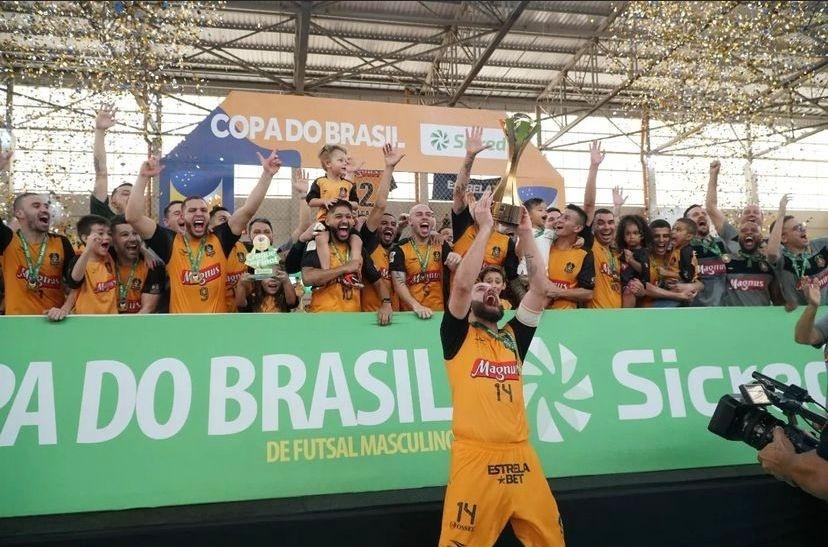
(162, 240)
(453, 333)
(822, 447)
(100, 208)
(642, 256)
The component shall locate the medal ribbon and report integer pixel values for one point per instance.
(195, 261)
(33, 267)
(422, 259)
(343, 259)
(708, 244)
(612, 262)
(500, 335)
(123, 288)
(751, 258)
(800, 262)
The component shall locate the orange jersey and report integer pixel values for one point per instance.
(327, 189)
(683, 265)
(98, 292)
(607, 277)
(202, 290)
(49, 292)
(335, 295)
(380, 257)
(656, 263)
(570, 269)
(236, 268)
(144, 280)
(423, 267)
(484, 373)
(500, 249)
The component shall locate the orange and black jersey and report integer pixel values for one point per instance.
(195, 292)
(570, 269)
(683, 262)
(500, 249)
(379, 256)
(335, 295)
(20, 300)
(428, 282)
(485, 376)
(325, 188)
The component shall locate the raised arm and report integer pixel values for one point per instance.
(596, 156)
(535, 298)
(474, 145)
(469, 268)
(299, 186)
(805, 333)
(103, 121)
(392, 157)
(775, 239)
(618, 201)
(711, 202)
(93, 242)
(270, 166)
(135, 207)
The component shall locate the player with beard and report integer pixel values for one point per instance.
(99, 203)
(377, 233)
(34, 262)
(418, 265)
(500, 250)
(749, 276)
(139, 286)
(659, 292)
(599, 237)
(196, 260)
(495, 475)
(712, 252)
(571, 269)
(331, 292)
(797, 259)
(236, 268)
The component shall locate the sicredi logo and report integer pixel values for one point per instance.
(450, 140)
(539, 371)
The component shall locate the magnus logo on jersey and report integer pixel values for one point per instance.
(711, 268)
(104, 286)
(748, 284)
(189, 277)
(496, 371)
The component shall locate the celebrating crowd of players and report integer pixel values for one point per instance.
(193, 261)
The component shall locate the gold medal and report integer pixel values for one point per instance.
(122, 305)
(33, 285)
(726, 258)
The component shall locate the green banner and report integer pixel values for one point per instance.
(100, 413)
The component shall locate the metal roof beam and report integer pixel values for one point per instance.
(481, 62)
(300, 46)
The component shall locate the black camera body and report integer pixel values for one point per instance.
(744, 417)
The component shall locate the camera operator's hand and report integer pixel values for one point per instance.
(777, 456)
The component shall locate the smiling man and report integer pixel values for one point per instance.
(35, 263)
(197, 259)
(749, 276)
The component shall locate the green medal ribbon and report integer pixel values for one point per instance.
(612, 262)
(33, 267)
(195, 261)
(123, 288)
(422, 259)
(500, 335)
(751, 258)
(800, 262)
(708, 244)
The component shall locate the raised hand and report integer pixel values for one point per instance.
(596, 155)
(715, 166)
(474, 141)
(525, 223)
(813, 294)
(300, 182)
(483, 210)
(270, 164)
(106, 117)
(453, 260)
(151, 167)
(783, 202)
(618, 197)
(392, 155)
